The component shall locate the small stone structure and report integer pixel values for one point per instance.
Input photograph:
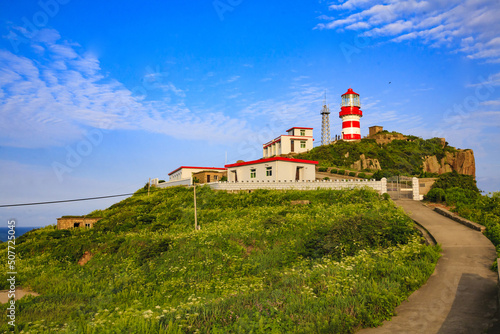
(75, 222)
(208, 176)
(373, 130)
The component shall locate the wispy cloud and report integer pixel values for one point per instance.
(233, 78)
(469, 26)
(52, 97)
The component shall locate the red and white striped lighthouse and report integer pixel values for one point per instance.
(350, 113)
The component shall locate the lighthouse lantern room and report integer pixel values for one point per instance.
(350, 113)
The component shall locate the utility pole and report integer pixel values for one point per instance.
(195, 215)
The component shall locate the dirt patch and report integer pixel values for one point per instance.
(248, 249)
(300, 202)
(20, 293)
(439, 205)
(85, 258)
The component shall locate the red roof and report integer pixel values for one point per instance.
(196, 168)
(296, 127)
(350, 91)
(271, 159)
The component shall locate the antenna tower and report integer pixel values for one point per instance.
(325, 124)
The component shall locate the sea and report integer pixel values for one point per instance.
(19, 231)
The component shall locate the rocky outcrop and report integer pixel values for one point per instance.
(461, 161)
(364, 163)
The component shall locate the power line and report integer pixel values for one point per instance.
(64, 201)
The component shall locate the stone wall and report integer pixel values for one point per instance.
(426, 184)
(75, 222)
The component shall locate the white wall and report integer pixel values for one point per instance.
(380, 186)
(182, 182)
(281, 170)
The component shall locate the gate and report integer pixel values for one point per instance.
(400, 187)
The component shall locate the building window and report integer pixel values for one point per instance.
(302, 132)
(87, 225)
(215, 177)
(302, 144)
(269, 171)
(253, 173)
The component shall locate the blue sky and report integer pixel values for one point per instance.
(96, 97)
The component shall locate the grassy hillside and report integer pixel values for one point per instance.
(400, 157)
(257, 265)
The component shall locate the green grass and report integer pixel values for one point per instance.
(258, 265)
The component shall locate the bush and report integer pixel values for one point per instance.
(352, 173)
(341, 172)
(453, 179)
(326, 178)
(333, 171)
(437, 195)
(323, 169)
(224, 178)
(459, 196)
(362, 175)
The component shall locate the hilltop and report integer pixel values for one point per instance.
(391, 153)
(258, 264)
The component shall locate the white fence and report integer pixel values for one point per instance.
(380, 186)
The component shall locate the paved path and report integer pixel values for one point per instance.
(461, 295)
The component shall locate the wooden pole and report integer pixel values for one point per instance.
(195, 215)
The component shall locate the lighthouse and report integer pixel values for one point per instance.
(350, 113)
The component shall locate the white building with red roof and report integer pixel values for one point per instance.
(186, 172)
(276, 169)
(297, 140)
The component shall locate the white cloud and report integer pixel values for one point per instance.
(233, 78)
(447, 23)
(52, 98)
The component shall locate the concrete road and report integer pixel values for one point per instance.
(461, 295)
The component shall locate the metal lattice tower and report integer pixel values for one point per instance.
(325, 124)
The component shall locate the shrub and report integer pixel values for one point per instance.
(437, 195)
(333, 171)
(323, 169)
(352, 173)
(341, 172)
(362, 175)
(453, 179)
(459, 196)
(326, 178)
(224, 178)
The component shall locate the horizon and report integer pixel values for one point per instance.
(96, 98)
